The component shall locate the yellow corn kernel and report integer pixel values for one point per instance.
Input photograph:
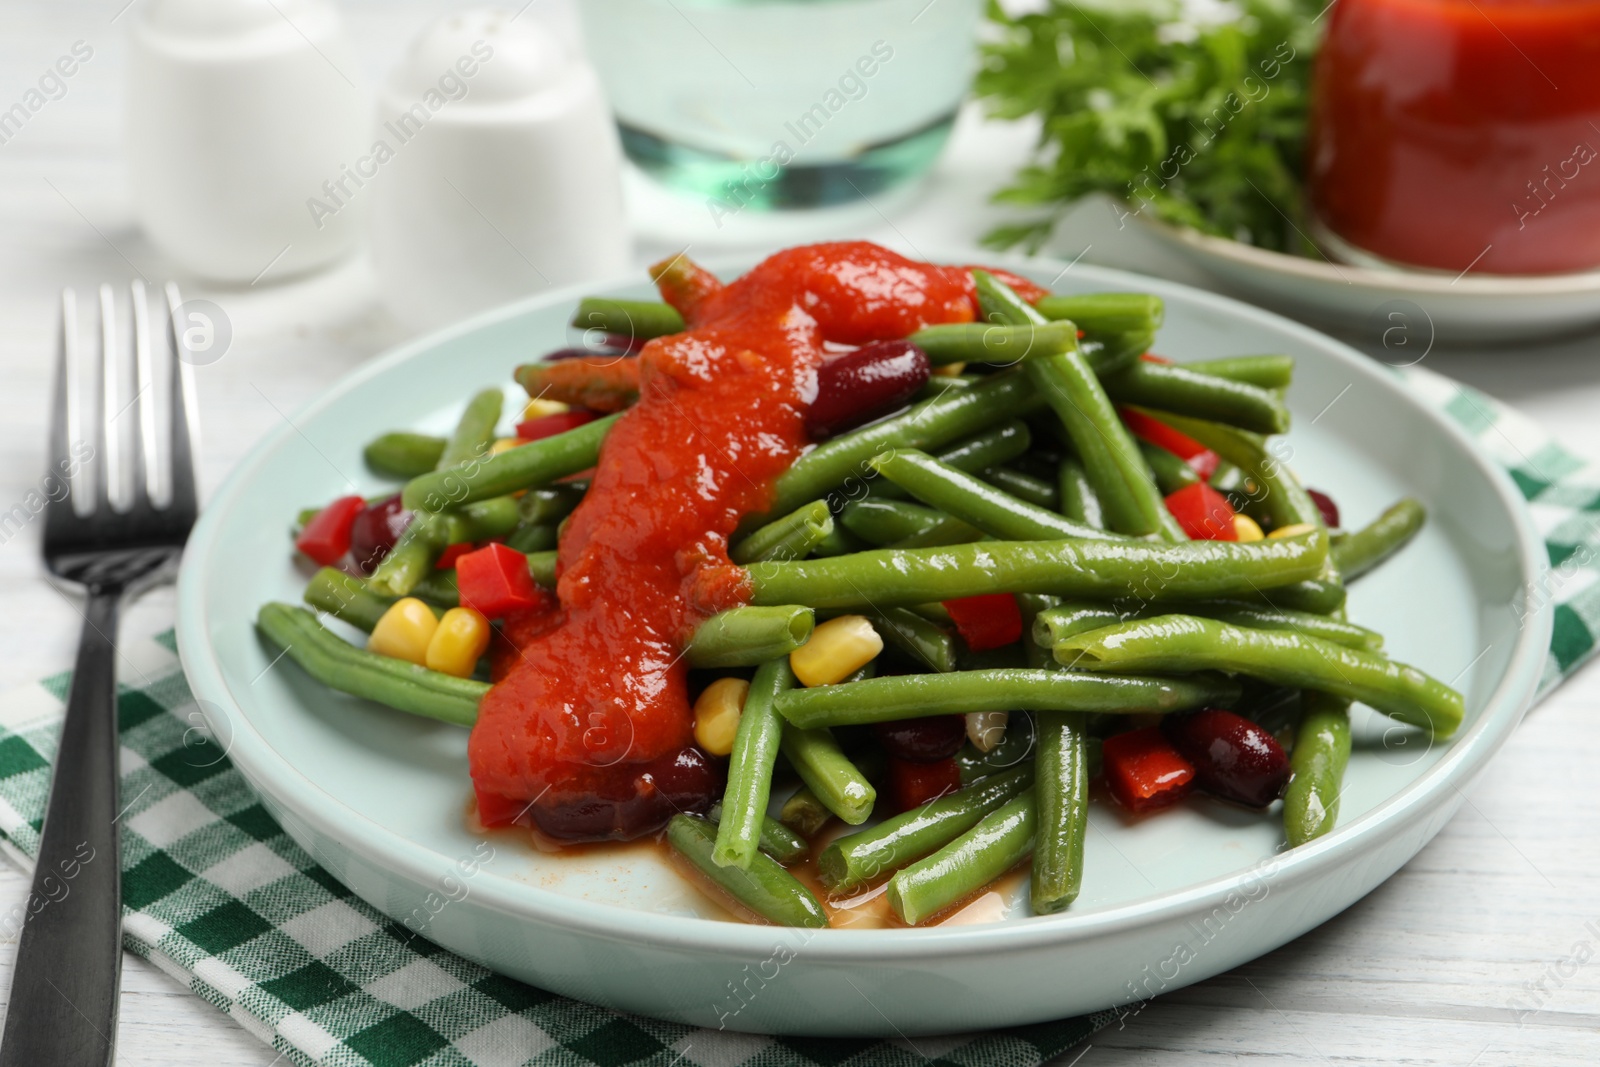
(836, 650)
(1245, 528)
(1294, 529)
(950, 370)
(404, 631)
(539, 407)
(716, 714)
(505, 444)
(460, 639)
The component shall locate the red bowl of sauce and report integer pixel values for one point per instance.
(1461, 134)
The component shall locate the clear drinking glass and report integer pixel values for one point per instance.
(768, 104)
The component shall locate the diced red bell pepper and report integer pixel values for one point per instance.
(1204, 463)
(326, 538)
(912, 785)
(988, 621)
(550, 425)
(1160, 434)
(1204, 513)
(496, 810)
(1151, 357)
(1144, 771)
(447, 558)
(494, 580)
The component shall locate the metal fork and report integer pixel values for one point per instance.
(119, 522)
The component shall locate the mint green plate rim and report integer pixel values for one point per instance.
(270, 773)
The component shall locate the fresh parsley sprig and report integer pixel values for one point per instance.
(1199, 123)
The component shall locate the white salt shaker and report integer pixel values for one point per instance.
(240, 113)
(496, 170)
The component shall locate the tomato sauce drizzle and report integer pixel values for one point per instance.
(588, 727)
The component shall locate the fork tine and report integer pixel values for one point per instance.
(185, 432)
(147, 485)
(113, 469)
(65, 422)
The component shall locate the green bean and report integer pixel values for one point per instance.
(1317, 596)
(1132, 503)
(804, 814)
(836, 542)
(991, 510)
(532, 538)
(1193, 570)
(910, 696)
(1061, 799)
(764, 887)
(925, 642)
(999, 303)
(1036, 491)
(775, 839)
(474, 432)
(865, 856)
(524, 467)
(755, 751)
(940, 383)
(930, 424)
(883, 522)
(1187, 643)
(402, 454)
(1105, 312)
(637, 320)
(945, 530)
(413, 555)
(1361, 550)
(988, 449)
(1266, 372)
(549, 504)
(1076, 617)
(1079, 502)
(1317, 762)
(746, 636)
(791, 537)
(837, 783)
(1003, 839)
(1286, 502)
(1171, 388)
(347, 598)
(1170, 472)
(340, 665)
(982, 342)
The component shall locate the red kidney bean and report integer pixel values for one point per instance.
(1325, 504)
(926, 740)
(634, 803)
(376, 530)
(1232, 756)
(859, 386)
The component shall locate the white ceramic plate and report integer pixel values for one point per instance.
(379, 798)
(1374, 300)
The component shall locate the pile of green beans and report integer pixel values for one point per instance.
(1015, 475)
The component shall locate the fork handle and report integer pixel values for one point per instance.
(63, 1007)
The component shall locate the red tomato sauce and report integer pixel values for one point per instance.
(588, 727)
(1461, 133)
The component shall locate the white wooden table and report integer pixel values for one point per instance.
(1441, 965)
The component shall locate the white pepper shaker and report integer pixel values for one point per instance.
(496, 170)
(240, 114)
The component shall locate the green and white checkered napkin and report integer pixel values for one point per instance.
(216, 894)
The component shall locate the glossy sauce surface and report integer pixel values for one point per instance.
(1461, 133)
(590, 712)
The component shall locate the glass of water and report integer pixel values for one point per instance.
(766, 104)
